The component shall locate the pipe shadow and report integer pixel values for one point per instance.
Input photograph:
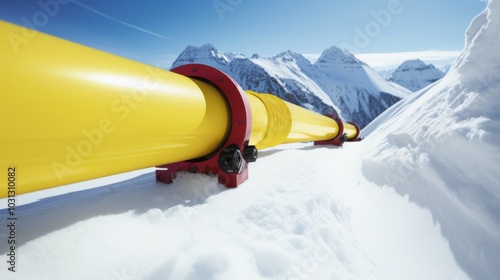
(271, 151)
(138, 195)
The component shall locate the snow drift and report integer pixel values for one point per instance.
(441, 147)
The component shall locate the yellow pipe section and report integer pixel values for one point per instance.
(275, 121)
(70, 113)
(350, 130)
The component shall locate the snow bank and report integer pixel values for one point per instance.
(441, 147)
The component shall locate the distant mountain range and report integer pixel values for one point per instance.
(415, 75)
(336, 83)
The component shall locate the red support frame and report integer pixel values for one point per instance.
(337, 140)
(229, 164)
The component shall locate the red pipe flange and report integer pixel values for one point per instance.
(230, 163)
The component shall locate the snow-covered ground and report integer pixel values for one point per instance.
(419, 198)
(320, 219)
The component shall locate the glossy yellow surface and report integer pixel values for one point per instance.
(259, 119)
(70, 113)
(276, 121)
(309, 126)
(272, 119)
(350, 130)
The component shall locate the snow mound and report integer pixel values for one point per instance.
(441, 147)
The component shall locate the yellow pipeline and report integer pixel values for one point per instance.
(276, 121)
(70, 113)
(350, 130)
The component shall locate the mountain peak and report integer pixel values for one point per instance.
(291, 56)
(415, 74)
(206, 54)
(336, 50)
(286, 53)
(207, 46)
(414, 64)
(334, 57)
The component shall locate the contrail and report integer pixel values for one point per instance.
(76, 2)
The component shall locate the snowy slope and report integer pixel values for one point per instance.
(387, 74)
(337, 83)
(445, 68)
(440, 147)
(415, 74)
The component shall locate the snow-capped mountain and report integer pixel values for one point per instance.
(357, 89)
(207, 54)
(284, 75)
(337, 83)
(415, 74)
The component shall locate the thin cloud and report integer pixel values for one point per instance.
(78, 3)
(393, 60)
(383, 61)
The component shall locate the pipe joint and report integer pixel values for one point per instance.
(279, 120)
(228, 161)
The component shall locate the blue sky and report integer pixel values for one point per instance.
(155, 32)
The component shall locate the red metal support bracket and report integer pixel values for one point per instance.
(337, 140)
(356, 137)
(230, 164)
